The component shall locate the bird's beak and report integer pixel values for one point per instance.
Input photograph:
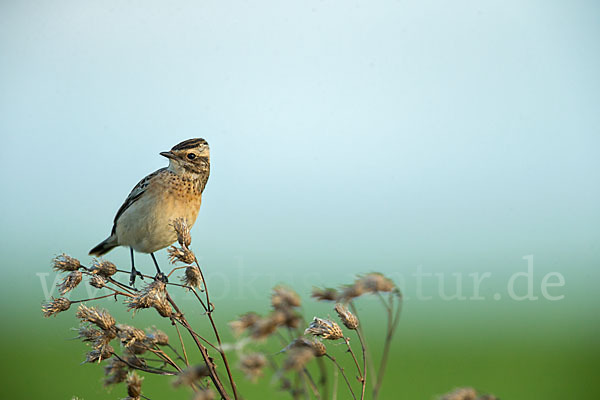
(168, 154)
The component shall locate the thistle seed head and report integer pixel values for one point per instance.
(183, 232)
(375, 282)
(324, 328)
(115, 371)
(252, 365)
(158, 337)
(101, 318)
(284, 298)
(134, 385)
(70, 282)
(65, 263)
(325, 294)
(97, 355)
(130, 336)
(298, 358)
(97, 281)
(183, 255)
(349, 319)
(244, 322)
(191, 375)
(104, 268)
(192, 277)
(55, 306)
(152, 295)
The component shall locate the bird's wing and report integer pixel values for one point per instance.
(135, 194)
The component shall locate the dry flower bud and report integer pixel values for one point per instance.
(375, 282)
(350, 292)
(158, 337)
(99, 354)
(192, 277)
(284, 298)
(183, 232)
(324, 328)
(152, 295)
(55, 306)
(183, 255)
(244, 322)
(101, 318)
(252, 365)
(325, 294)
(191, 375)
(65, 263)
(97, 281)
(319, 348)
(129, 335)
(265, 327)
(88, 334)
(134, 385)
(115, 371)
(349, 319)
(70, 282)
(297, 358)
(103, 268)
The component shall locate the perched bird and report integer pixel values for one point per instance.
(143, 223)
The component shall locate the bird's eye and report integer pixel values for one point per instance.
(191, 156)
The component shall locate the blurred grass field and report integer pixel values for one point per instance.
(531, 350)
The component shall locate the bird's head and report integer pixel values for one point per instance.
(190, 156)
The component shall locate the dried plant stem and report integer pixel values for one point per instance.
(392, 324)
(364, 357)
(163, 356)
(187, 363)
(335, 383)
(370, 361)
(311, 383)
(343, 374)
(94, 298)
(360, 374)
(211, 368)
(209, 311)
(323, 376)
(157, 371)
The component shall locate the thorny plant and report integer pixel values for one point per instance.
(153, 352)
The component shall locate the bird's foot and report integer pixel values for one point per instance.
(134, 273)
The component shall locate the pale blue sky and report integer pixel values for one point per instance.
(345, 135)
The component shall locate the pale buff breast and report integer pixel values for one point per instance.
(146, 224)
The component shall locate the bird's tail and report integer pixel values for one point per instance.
(105, 246)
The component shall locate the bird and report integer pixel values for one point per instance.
(144, 221)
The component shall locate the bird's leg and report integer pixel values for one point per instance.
(159, 275)
(134, 272)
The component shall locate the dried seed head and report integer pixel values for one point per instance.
(325, 294)
(65, 263)
(298, 358)
(284, 298)
(252, 365)
(97, 281)
(204, 394)
(350, 292)
(134, 385)
(375, 282)
(115, 371)
(265, 327)
(129, 335)
(319, 348)
(349, 319)
(158, 337)
(103, 268)
(89, 334)
(70, 282)
(183, 232)
(101, 318)
(461, 394)
(183, 255)
(191, 375)
(152, 295)
(55, 306)
(244, 322)
(324, 328)
(97, 355)
(192, 277)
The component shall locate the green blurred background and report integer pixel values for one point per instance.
(346, 137)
